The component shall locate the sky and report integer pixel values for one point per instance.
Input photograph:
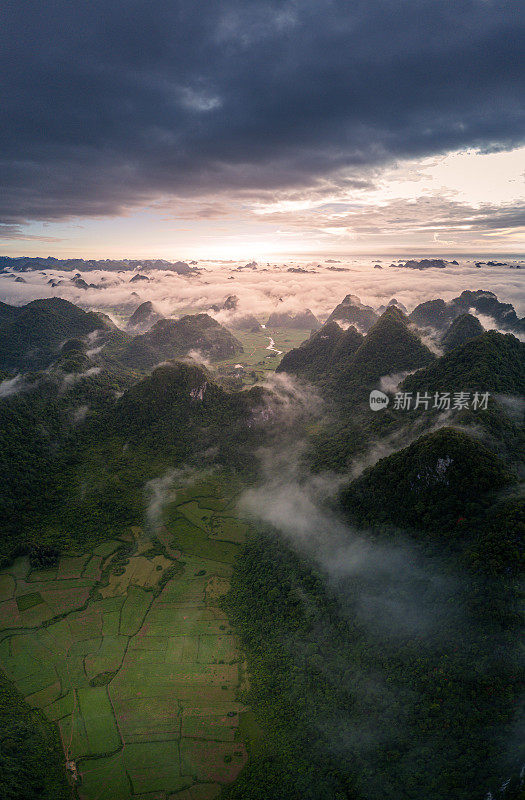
(262, 128)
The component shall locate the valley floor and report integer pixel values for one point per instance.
(127, 649)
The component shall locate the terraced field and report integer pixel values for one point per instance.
(127, 649)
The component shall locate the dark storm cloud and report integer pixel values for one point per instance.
(106, 104)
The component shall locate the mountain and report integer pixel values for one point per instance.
(27, 263)
(347, 345)
(8, 313)
(180, 405)
(441, 483)
(424, 263)
(313, 356)
(170, 338)
(246, 322)
(170, 395)
(180, 267)
(463, 328)
(279, 319)
(347, 361)
(301, 320)
(144, 317)
(230, 304)
(432, 314)
(486, 302)
(414, 654)
(75, 459)
(352, 310)
(30, 335)
(492, 362)
(438, 314)
(250, 265)
(392, 302)
(306, 319)
(388, 347)
(80, 283)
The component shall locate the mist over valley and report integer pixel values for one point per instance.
(262, 400)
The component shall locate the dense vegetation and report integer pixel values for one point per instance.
(170, 338)
(439, 480)
(348, 364)
(463, 328)
(438, 314)
(353, 709)
(445, 487)
(45, 432)
(30, 752)
(30, 336)
(348, 706)
(350, 309)
(67, 481)
(390, 346)
(322, 352)
(291, 632)
(492, 362)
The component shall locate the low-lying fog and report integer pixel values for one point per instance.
(268, 287)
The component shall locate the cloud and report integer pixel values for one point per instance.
(292, 395)
(198, 358)
(390, 383)
(94, 351)
(490, 324)
(79, 414)
(403, 437)
(514, 406)
(431, 338)
(160, 491)
(260, 292)
(294, 502)
(13, 386)
(11, 232)
(69, 379)
(410, 616)
(390, 223)
(103, 110)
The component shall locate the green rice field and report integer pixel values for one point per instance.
(127, 650)
(257, 358)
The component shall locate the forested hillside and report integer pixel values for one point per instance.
(373, 559)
